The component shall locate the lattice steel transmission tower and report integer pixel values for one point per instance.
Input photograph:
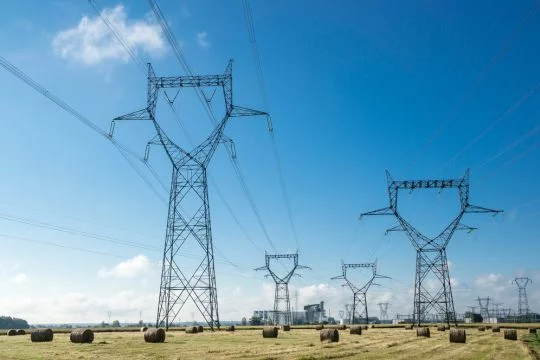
(431, 262)
(523, 304)
(188, 221)
(282, 304)
(483, 303)
(384, 310)
(359, 304)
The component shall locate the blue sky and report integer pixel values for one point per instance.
(423, 89)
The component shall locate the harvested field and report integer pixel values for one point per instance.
(305, 344)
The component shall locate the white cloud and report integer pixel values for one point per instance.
(127, 269)
(493, 282)
(91, 42)
(202, 39)
(20, 278)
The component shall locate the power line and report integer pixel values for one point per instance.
(183, 62)
(257, 60)
(141, 66)
(478, 80)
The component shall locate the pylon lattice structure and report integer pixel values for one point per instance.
(192, 227)
(431, 262)
(523, 303)
(384, 310)
(359, 308)
(483, 304)
(282, 304)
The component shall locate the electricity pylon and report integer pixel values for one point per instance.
(431, 262)
(282, 304)
(179, 282)
(384, 310)
(359, 304)
(483, 303)
(523, 304)
(348, 310)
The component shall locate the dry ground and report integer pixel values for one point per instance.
(249, 344)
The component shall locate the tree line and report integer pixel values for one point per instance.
(7, 322)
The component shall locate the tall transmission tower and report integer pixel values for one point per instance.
(523, 304)
(282, 304)
(188, 226)
(359, 304)
(384, 310)
(431, 262)
(483, 303)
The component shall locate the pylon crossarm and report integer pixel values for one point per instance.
(228, 141)
(383, 211)
(467, 228)
(238, 111)
(474, 209)
(394, 229)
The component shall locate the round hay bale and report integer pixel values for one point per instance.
(11, 332)
(200, 328)
(458, 336)
(144, 328)
(408, 327)
(329, 335)
(355, 330)
(488, 327)
(231, 328)
(495, 329)
(532, 330)
(481, 328)
(42, 335)
(342, 327)
(364, 327)
(447, 327)
(319, 327)
(422, 331)
(372, 326)
(270, 332)
(21, 332)
(192, 330)
(81, 336)
(286, 327)
(154, 335)
(441, 328)
(510, 334)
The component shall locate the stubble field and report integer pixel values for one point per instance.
(378, 343)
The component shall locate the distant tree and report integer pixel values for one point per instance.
(255, 320)
(7, 322)
(115, 323)
(141, 323)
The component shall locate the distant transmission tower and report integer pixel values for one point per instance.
(523, 304)
(384, 310)
(359, 305)
(188, 226)
(483, 303)
(431, 262)
(282, 304)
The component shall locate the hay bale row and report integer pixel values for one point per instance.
(482, 328)
(510, 334)
(495, 329)
(270, 332)
(144, 328)
(408, 327)
(42, 335)
(154, 335)
(355, 330)
(21, 332)
(422, 331)
(192, 330)
(230, 328)
(364, 327)
(82, 336)
(12, 332)
(319, 327)
(329, 335)
(488, 327)
(200, 328)
(441, 328)
(342, 327)
(286, 327)
(532, 330)
(458, 336)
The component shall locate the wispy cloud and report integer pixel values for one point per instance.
(202, 39)
(127, 269)
(20, 278)
(91, 42)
